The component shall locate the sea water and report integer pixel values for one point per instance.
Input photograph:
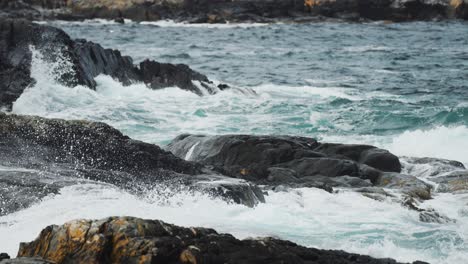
(402, 87)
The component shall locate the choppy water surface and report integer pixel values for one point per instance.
(399, 86)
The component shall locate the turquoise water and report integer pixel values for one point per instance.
(422, 67)
(400, 86)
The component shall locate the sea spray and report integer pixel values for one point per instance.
(312, 217)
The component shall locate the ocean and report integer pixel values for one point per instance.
(401, 87)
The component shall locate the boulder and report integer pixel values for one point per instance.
(4, 256)
(134, 240)
(377, 158)
(292, 160)
(407, 184)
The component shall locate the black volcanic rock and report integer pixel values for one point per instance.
(80, 62)
(134, 240)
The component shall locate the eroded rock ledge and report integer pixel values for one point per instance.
(134, 240)
(78, 62)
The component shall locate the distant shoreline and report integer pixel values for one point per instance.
(238, 11)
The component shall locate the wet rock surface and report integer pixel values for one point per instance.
(134, 240)
(78, 62)
(448, 176)
(40, 156)
(299, 162)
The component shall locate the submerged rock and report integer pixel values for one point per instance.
(447, 175)
(78, 62)
(134, 240)
(430, 167)
(452, 182)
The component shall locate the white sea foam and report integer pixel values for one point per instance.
(440, 142)
(367, 48)
(189, 154)
(172, 23)
(89, 22)
(311, 217)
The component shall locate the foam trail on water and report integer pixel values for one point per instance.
(172, 23)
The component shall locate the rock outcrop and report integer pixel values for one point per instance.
(134, 240)
(298, 162)
(223, 11)
(54, 153)
(78, 62)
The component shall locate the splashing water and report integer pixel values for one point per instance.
(311, 217)
(334, 108)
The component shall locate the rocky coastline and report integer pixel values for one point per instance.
(237, 168)
(79, 62)
(237, 11)
(134, 240)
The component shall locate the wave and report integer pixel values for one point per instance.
(311, 217)
(368, 48)
(336, 114)
(440, 142)
(172, 23)
(445, 142)
(89, 22)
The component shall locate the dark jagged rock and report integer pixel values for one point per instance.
(159, 75)
(53, 153)
(16, 38)
(81, 61)
(97, 60)
(223, 11)
(4, 256)
(260, 157)
(35, 140)
(134, 240)
(299, 162)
